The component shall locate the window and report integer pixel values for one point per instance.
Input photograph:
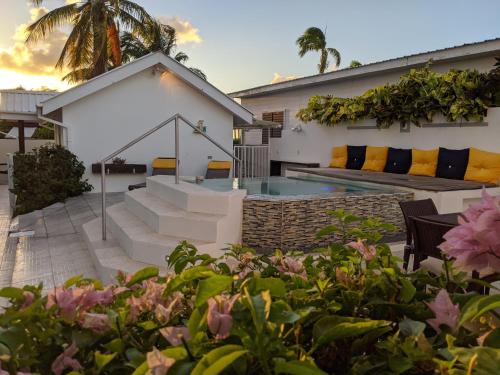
(278, 117)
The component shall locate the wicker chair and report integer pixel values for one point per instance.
(427, 236)
(409, 209)
(161, 166)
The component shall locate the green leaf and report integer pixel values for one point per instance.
(325, 231)
(197, 320)
(282, 313)
(297, 368)
(260, 308)
(479, 305)
(148, 325)
(410, 327)
(215, 361)
(211, 287)
(275, 286)
(400, 364)
(11, 293)
(493, 339)
(331, 328)
(72, 281)
(408, 291)
(144, 274)
(101, 360)
(116, 346)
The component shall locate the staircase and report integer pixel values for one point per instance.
(151, 222)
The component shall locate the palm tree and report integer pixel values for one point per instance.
(314, 39)
(93, 45)
(153, 37)
(355, 64)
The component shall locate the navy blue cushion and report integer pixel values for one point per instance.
(355, 157)
(398, 160)
(452, 163)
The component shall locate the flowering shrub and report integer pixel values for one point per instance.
(348, 309)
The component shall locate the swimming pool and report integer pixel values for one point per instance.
(287, 212)
(292, 186)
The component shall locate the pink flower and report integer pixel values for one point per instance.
(174, 335)
(65, 361)
(163, 313)
(158, 363)
(475, 242)
(98, 323)
(28, 299)
(342, 276)
(219, 316)
(446, 313)
(65, 302)
(367, 252)
(289, 266)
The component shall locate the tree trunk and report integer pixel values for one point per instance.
(99, 26)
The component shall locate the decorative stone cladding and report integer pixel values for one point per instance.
(291, 222)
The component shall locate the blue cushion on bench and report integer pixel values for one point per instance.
(398, 160)
(452, 163)
(355, 157)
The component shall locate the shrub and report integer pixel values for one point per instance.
(45, 176)
(417, 97)
(348, 310)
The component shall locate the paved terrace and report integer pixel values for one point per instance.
(56, 251)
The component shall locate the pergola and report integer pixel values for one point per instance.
(18, 108)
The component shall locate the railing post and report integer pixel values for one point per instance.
(103, 199)
(177, 163)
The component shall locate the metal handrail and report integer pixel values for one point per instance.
(174, 118)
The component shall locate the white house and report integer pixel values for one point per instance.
(103, 114)
(313, 143)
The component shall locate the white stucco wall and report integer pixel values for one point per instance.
(108, 119)
(315, 142)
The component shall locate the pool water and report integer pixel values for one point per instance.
(303, 185)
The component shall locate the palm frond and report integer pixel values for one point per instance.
(199, 73)
(50, 21)
(181, 57)
(335, 54)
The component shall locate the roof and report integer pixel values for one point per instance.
(21, 105)
(489, 47)
(151, 60)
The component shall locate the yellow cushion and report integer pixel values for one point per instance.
(339, 157)
(424, 162)
(218, 164)
(375, 159)
(483, 166)
(164, 163)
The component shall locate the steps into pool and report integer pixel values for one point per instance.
(151, 222)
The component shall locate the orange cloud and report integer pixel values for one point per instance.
(38, 59)
(185, 31)
(279, 78)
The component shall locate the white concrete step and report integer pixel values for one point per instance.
(143, 244)
(108, 257)
(189, 197)
(166, 218)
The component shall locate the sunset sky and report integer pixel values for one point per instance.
(241, 43)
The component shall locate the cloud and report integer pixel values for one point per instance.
(279, 78)
(38, 59)
(185, 31)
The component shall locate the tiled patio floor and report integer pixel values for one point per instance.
(56, 252)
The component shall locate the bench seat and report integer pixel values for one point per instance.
(435, 184)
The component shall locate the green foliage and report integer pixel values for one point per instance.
(418, 96)
(45, 176)
(340, 311)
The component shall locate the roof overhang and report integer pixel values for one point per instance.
(158, 61)
(467, 51)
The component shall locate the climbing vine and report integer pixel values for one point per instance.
(417, 96)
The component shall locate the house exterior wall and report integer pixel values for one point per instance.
(315, 142)
(101, 123)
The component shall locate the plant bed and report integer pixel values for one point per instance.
(113, 168)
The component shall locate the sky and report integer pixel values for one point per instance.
(245, 43)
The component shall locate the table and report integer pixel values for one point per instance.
(451, 219)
